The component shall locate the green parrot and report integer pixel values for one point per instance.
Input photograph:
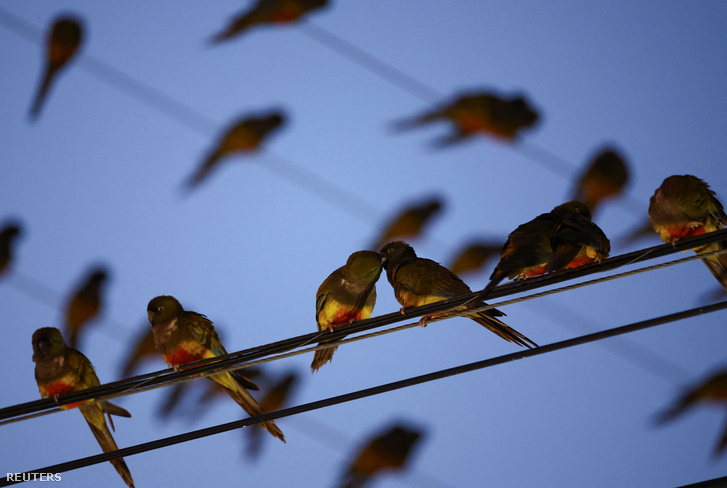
(685, 206)
(419, 281)
(8, 234)
(712, 390)
(389, 450)
(410, 221)
(246, 135)
(64, 38)
(85, 304)
(605, 177)
(347, 295)
(183, 336)
(60, 369)
(268, 12)
(576, 241)
(480, 113)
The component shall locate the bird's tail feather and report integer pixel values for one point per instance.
(107, 443)
(502, 329)
(716, 264)
(321, 357)
(253, 408)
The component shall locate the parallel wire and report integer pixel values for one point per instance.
(368, 392)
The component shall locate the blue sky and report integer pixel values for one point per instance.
(96, 180)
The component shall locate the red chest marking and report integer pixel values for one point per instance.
(345, 316)
(181, 356)
(577, 262)
(684, 231)
(534, 270)
(57, 388)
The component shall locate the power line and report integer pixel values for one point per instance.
(377, 390)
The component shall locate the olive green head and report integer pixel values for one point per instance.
(163, 308)
(365, 265)
(47, 343)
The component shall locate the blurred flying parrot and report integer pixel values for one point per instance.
(142, 350)
(8, 235)
(604, 178)
(347, 295)
(685, 206)
(713, 390)
(183, 337)
(480, 113)
(576, 240)
(409, 221)
(84, 305)
(64, 38)
(388, 450)
(419, 281)
(528, 249)
(246, 135)
(278, 397)
(268, 12)
(60, 369)
(473, 255)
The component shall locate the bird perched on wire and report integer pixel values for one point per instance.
(410, 221)
(183, 336)
(576, 240)
(246, 135)
(61, 369)
(85, 304)
(685, 206)
(485, 113)
(268, 12)
(712, 390)
(605, 177)
(473, 255)
(388, 450)
(62, 43)
(347, 295)
(8, 236)
(419, 281)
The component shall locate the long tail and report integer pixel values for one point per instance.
(247, 402)
(502, 329)
(678, 408)
(321, 357)
(103, 435)
(42, 92)
(716, 264)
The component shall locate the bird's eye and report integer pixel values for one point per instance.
(160, 309)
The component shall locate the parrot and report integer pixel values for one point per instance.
(605, 177)
(528, 249)
(143, 349)
(347, 295)
(64, 39)
(685, 206)
(277, 397)
(473, 255)
(419, 281)
(480, 113)
(8, 234)
(410, 221)
(576, 241)
(246, 135)
(713, 390)
(183, 336)
(62, 369)
(388, 450)
(84, 304)
(267, 12)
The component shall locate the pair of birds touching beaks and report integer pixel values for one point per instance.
(560, 239)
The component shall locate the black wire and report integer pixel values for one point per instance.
(367, 392)
(713, 483)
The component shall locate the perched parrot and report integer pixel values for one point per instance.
(605, 177)
(61, 369)
(63, 41)
(84, 305)
(347, 295)
(685, 206)
(183, 336)
(277, 397)
(268, 12)
(713, 390)
(143, 349)
(473, 255)
(480, 113)
(245, 136)
(576, 241)
(528, 249)
(409, 221)
(418, 281)
(8, 234)
(388, 450)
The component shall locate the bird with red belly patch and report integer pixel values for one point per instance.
(183, 336)
(576, 241)
(685, 206)
(60, 369)
(347, 295)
